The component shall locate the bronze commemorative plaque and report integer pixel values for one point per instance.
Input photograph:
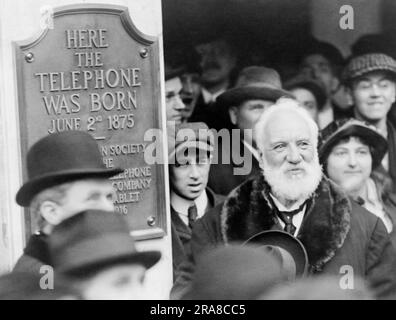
(94, 71)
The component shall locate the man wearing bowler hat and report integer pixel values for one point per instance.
(256, 89)
(66, 175)
(95, 251)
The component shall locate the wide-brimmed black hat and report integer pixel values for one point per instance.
(254, 83)
(93, 239)
(293, 254)
(312, 85)
(344, 128)
(59, 158)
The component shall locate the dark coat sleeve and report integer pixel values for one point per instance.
(205, 236)
(381, 263)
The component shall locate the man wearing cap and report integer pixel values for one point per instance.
(292, 195)
(323, 62)
(190, 153)
(370, 79)
(96, 252)
(256, 89)
(66, 175)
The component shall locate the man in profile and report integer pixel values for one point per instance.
(66, 175)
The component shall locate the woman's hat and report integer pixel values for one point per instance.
(254, 83)
(344, 128)
(60, 158)
(94, 239)
(286, 248)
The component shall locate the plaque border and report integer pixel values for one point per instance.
(159, 230)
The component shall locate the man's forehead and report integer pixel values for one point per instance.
(173, 84)
(287, 125)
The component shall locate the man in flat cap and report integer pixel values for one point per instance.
(237, 160)
(292, 195)
(190, 154)
(370, 79)
(66, 175)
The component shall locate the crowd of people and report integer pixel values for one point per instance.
(279, 188)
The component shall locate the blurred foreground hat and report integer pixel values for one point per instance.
(363, 64)
(344, 128)
(312, 85)
(190, 135)
(287, 249)
(26, 286)
(92, 240)
(234, 273)
(254, 83)
(59, 158)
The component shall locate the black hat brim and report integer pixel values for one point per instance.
(287, 242)
(145, 258)
(26, 193)
(377, 142)
(236, 96)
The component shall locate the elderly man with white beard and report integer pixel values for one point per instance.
(292, 194)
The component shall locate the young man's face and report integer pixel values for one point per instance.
(308, 101)
(247, 114)
(174, 103)
(373, 95)
(319, 68)
(119, 282)
(190, 177)
(81, 195)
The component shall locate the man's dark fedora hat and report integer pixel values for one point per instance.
(94, 239)
(254, 83)
(59, 158)
(344, 128)
(292, 248)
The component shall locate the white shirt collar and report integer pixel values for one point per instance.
(211, 97)
(181, 205)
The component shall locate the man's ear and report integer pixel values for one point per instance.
(233, 111)
(50, 211)
(335, 85)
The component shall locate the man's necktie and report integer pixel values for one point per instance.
(192, 214)
(287, 218)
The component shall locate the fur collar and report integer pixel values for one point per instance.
(247, 211)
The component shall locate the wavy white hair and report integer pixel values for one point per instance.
(284, 105)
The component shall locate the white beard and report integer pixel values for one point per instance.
(296, 188)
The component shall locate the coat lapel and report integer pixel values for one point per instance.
(326, 224)
(183, 231)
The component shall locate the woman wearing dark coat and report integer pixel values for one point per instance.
(351, 152)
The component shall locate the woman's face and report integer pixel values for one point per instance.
(349, 164)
